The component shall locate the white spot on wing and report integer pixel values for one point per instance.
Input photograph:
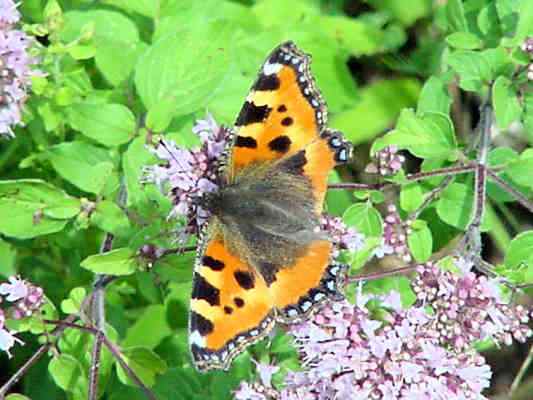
(197, 339)
(269, 69)
(306, 305)
(319, 296)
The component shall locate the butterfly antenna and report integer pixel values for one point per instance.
(162, 143)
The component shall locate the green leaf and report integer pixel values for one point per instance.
(158, 118)
(116, 40)
(434, 97)
(184, 68)
(144, 362)
(455, 14)
(135, 158)
(473, 69)
(506, 106)
(24, 205)
(86, 166)
(115, 262)
(525, 23)
(275, 12)
(110, 218)
(16, 396)
(521, 171)
(8, 254)
(464, 41)
(428, 136)
(420, 241)
(380, 104)
(406, 15)
(365, 218)
(411, 197)
(152, 319)
(527, 116)
(73, 304)
(359, 37)
(455, 206)
(520, 251)
(108, 124)
(68, 374)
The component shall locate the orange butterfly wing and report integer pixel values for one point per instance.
(231, 307)
(283, 113)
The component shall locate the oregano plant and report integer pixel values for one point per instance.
(113, 119)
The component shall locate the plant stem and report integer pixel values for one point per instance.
(34, 358)
(95, 366)
(131, 373)
(112, 348)
(522, 372)
(448, 171)
(379, 275)
(471, 243)
(430, 197)
(357, 186)
(520, 197)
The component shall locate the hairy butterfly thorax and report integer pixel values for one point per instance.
(263, 257)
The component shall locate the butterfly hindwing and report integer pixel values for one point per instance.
(283, 113)
(298, 289)
(231, 307)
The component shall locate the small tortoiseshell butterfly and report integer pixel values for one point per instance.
(262, 257)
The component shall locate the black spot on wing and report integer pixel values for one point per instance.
(228, 310)
(282, 108)
(214, 264)
(203, 290)
(281, 144)
(201, 324)
(245, 279)
(287, 121)
(267, 82)
(250, 113)
(238, 302)
(246, 141)
(295, 164)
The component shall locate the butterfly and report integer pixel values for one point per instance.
(262, 257)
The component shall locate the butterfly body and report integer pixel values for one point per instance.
(263, 257)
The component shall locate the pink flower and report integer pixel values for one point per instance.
(7, 340)
(15, 71)
(187, 174)
(15, 290)
(414, 353)
(386, 162)
(344, 238)
(26, 297)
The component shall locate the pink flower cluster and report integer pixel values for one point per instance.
(468, 307)
(26, 298)
(343, 237)
(394, 236)
(15, 72)
(348, 353)
(189, 173)
(386, 162)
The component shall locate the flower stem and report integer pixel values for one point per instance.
(520, 197)
(379, 275)
(522, 372)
